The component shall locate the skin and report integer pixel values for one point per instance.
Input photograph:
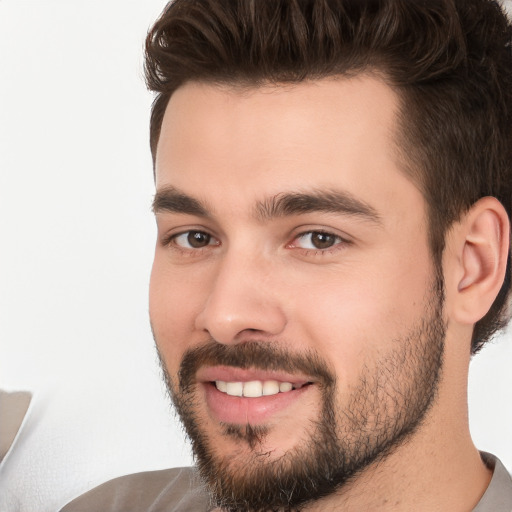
(260, 279)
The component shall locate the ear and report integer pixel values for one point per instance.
(480, 246)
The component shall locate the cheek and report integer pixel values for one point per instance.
(354, 316)
(173, 306)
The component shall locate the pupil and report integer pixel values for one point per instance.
(322, 240)
(197, 239)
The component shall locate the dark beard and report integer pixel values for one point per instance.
(386, 408)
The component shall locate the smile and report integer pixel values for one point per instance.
(240, 396)
(255, 388)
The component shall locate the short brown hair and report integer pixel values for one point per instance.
(449, 60)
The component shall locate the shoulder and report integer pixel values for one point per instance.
(153, 491)
(498, 496)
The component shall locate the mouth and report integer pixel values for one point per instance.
(238, 396)
(256, 388)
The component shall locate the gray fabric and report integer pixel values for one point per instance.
(13, 407)
(169, 490)
(498, 497)
(180, 490)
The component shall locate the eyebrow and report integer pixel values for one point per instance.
(172, 200)
(326, 201)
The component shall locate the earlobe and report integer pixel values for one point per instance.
(483, 259)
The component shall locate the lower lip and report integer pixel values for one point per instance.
(241, 410)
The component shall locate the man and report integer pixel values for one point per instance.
(333, 200)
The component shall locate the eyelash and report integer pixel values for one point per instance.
(339, 242)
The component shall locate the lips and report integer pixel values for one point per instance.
(239, 396)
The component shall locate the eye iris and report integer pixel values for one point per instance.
(322, 240)
(197, 239)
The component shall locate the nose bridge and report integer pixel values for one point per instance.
(242, 298)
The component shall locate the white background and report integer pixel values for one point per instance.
(76, 241)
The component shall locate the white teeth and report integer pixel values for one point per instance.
(270, 387)
(254, 388)
(221, 385)
(284, 387)
(234, 388)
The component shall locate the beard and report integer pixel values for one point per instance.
(388, 404)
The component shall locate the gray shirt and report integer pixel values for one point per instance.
(181, 490)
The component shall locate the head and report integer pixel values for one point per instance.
(425, 83)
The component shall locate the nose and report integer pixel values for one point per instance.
(243, 301)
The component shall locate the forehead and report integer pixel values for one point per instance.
(332, 133)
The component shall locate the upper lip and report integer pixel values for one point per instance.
(234, 374)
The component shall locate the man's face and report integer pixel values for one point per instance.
(293, 300)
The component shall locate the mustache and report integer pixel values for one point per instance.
(260, 355)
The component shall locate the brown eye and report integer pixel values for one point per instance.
(193, 240)
(317, 241)
(322, 240)
(198, 239)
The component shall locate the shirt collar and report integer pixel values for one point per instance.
(498, 496)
